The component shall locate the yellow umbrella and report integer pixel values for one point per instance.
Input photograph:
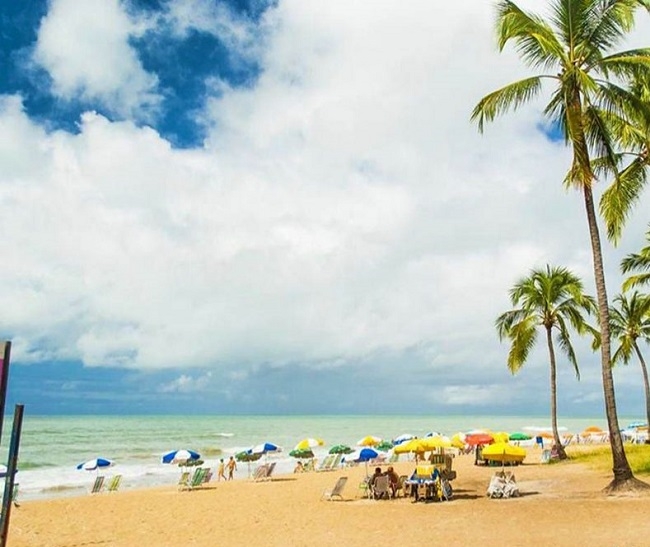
(458, 441)
(501, 437)
(308, 443)
(503, 452)
(369, 440)
(412, 446)
(439, 441)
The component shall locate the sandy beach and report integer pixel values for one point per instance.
(561, 504)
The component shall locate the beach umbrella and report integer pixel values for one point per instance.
(519, 436)
(182, 456)
(384, 446)
(403, 438)
(440, 441)
(478, 439)
(500, 437)
(265, 448)
(363, 455)
(412, 446)
(246, 456)
(94, 464)
(309, 443)
(369, 440)
(302, 453)
(458, 440)
(504, 453)
(340, 449)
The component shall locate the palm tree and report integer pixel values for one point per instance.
(630, 321)
(637, 262)
(592, 87)
(553, 299)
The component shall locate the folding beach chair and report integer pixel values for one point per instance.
(114, 483)
(184, 480)
(336, 491)
(381, 487)
(97, 485)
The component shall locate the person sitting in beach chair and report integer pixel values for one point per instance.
(393, 481)
(378, 473)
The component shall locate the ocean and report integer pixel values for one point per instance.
(52, 446)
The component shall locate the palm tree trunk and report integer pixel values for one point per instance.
(646, 385)
(621, 467)
(556, 436)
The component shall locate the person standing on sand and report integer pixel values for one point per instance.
(232, 465)
(221, 470)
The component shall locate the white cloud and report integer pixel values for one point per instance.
(186, 384)
(84, 46)
(344, 206)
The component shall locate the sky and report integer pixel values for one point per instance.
(257, 207)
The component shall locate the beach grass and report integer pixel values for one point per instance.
(600, 457)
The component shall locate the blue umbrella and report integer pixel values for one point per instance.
(265, 448)
(180, 456)
(93, 465)
(364, 455)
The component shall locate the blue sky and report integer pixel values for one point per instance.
(276, 207)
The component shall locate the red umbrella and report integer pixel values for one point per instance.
(479, 439)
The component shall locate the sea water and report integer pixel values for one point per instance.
(52, 446)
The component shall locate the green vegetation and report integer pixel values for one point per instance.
(638, 456)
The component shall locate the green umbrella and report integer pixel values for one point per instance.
(246, 456)
(384, 446)
(341, 449)
(304, 453)
(519, 437)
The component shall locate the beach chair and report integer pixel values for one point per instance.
(207, 477)
(114, 483)
(260, 472)
(269, 471)
(381, 487)
(337, 491)
(198, 477)
(97, 485)
(364, 487)
(326, 464)
(184, 480)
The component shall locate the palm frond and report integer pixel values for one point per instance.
(609, 21)
(618, 200)
(639, 280)
(507, 98)
(523, 337)
(533, 37)
(564, 341)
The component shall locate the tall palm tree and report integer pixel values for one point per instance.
(630, 318)
(552, 298)
(592, 87)
(639, 263)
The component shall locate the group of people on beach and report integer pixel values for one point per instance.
(393, 479)
(231, 466)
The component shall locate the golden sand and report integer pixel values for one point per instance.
(561, 504)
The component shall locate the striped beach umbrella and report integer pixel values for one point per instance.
(94, 464)
(309, 442)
